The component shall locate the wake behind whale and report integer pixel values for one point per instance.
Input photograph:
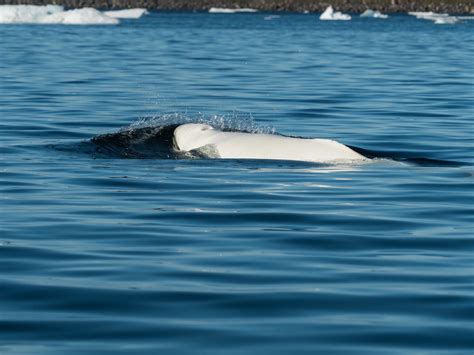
(199, 140)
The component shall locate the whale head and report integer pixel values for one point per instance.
(192, 136)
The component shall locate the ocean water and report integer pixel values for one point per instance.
(110, 250)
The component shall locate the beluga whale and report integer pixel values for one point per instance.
(195, 137)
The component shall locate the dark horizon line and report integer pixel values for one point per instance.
(354, 6)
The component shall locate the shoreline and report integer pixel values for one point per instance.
(385, 6)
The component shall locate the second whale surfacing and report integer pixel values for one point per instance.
(242, 145)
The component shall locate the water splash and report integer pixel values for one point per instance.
(235, 121)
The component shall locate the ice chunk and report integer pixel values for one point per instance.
(26, 13)
(85, 16)
(373, 14)
(53, 14)
(127, 13)
(329, 14)
(439, 19)
(219, 10)
(428, 15)
(445, 20)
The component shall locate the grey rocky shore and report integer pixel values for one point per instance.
(356, 6)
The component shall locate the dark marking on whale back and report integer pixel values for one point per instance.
(138, 143)
(156, 142)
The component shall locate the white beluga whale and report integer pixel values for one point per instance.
(242, 145)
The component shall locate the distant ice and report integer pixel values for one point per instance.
(329, 14)
(426, 15)
(219, 10)
(446, 20)
(52, 14)
(26, 13)
(438, 19)
(85, 16)
(373, 14)
(127, 13)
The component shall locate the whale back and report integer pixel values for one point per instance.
(242, 145)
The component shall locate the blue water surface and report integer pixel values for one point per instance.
(100, 254)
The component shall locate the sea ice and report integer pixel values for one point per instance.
(127, 13)
(428, 15)
(329, 14)
(446, 20)
(85, 16)
(52, 14)
(219, 10)
(373, 14)
(439, 19)
(26, 13)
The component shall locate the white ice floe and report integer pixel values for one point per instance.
(52, 14)
(465, 17)
(329, 14)
(439, 19)
(219, 10)
(373, 14)
(427, 15)
(445, 20)
(127, 13)
(85, 16)
(26, 13)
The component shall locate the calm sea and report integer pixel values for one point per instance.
(105, 254)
